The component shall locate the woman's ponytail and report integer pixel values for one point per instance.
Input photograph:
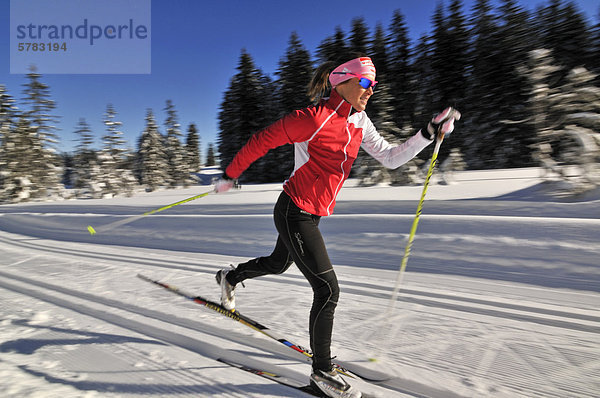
(319, 85)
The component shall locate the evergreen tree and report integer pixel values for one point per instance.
(539, 71)
(39, 105)
(192, 149)
(515, 42)
(398, 72)
(177, 167)
(152, 163)
(595, 64)
(277, 164)
(210, 156)
(380, 107)
(422, 79)
(45, 172)
(333, 47)
(378, 51)
(294, 74)
(483, 57)
(228, 140)
(485, 94)
(359, 36)
(113, 140)
(441, 70)
(566, 121)
(68, 169)
(7, 114)
(114, 178)
(85, 137)
(439, 59)
(7, 109)
(247, 107)
(564, 30)
(86, 169)
(22, 157)
(368, 170)
(576, 119)
(457, 62)
(449, 67)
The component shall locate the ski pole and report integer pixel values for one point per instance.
(413, 229)
(118, 223)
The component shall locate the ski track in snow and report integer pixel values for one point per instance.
(500, 299)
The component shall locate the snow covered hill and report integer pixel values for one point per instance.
(501, 296)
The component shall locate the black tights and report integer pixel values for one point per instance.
(300, 241)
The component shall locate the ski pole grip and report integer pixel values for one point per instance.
(456, 115)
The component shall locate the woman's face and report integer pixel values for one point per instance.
(354, 93)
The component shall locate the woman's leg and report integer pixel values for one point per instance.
(300, 241)
(300, 233)
(276, 263)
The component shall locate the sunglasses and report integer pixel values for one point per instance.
(363, 81)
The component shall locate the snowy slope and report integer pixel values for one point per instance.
(500, 299)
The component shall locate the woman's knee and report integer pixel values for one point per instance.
(277, 263)
(327, 291)
(279, 267)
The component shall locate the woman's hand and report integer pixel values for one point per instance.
(441, 124)
(224, 184)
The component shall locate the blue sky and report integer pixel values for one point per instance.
(195, 49)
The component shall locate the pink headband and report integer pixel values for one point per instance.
(346, 71)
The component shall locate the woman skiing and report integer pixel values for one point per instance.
(326, 138)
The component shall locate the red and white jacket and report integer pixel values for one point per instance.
(326, 139)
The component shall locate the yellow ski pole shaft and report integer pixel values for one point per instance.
(128, 220)
(411, 238)
(413, 228)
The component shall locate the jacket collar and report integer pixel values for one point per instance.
(336, 101)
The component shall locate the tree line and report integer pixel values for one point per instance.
(491, 64)
(31, 168)
(525, 81)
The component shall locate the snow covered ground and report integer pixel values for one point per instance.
(501, 297)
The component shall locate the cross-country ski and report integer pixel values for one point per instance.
(364, 373)
(268, 373)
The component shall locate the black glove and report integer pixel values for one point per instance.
(442, 123)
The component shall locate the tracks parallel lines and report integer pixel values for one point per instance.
(161, 334)
(581, 321)
(100, 307)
